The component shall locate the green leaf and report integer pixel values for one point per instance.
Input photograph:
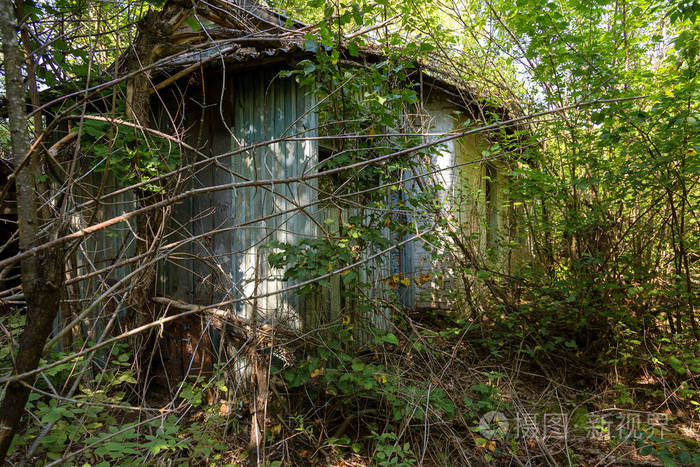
(391, 339)
(311, 46)
(666, 458)
(353, 49)
(221, 386)
(193, 23)
(157, 445)
(677, 365)
(309, 68)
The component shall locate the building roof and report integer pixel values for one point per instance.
(244, 35)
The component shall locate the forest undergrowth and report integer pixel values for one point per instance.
(436, 390)
(569, 230)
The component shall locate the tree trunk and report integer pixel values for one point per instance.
(42, 273)
(152, 43)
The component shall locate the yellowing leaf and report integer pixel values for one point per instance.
(422, 279)
(224, 410)
(317, 372)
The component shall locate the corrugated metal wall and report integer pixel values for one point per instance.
(258, 107)
(112, 245)
(429, 279)
(267, 109)
(229, 258)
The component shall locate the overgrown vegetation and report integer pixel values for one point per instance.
(570, 269)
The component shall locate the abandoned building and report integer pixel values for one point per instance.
(230, 98)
